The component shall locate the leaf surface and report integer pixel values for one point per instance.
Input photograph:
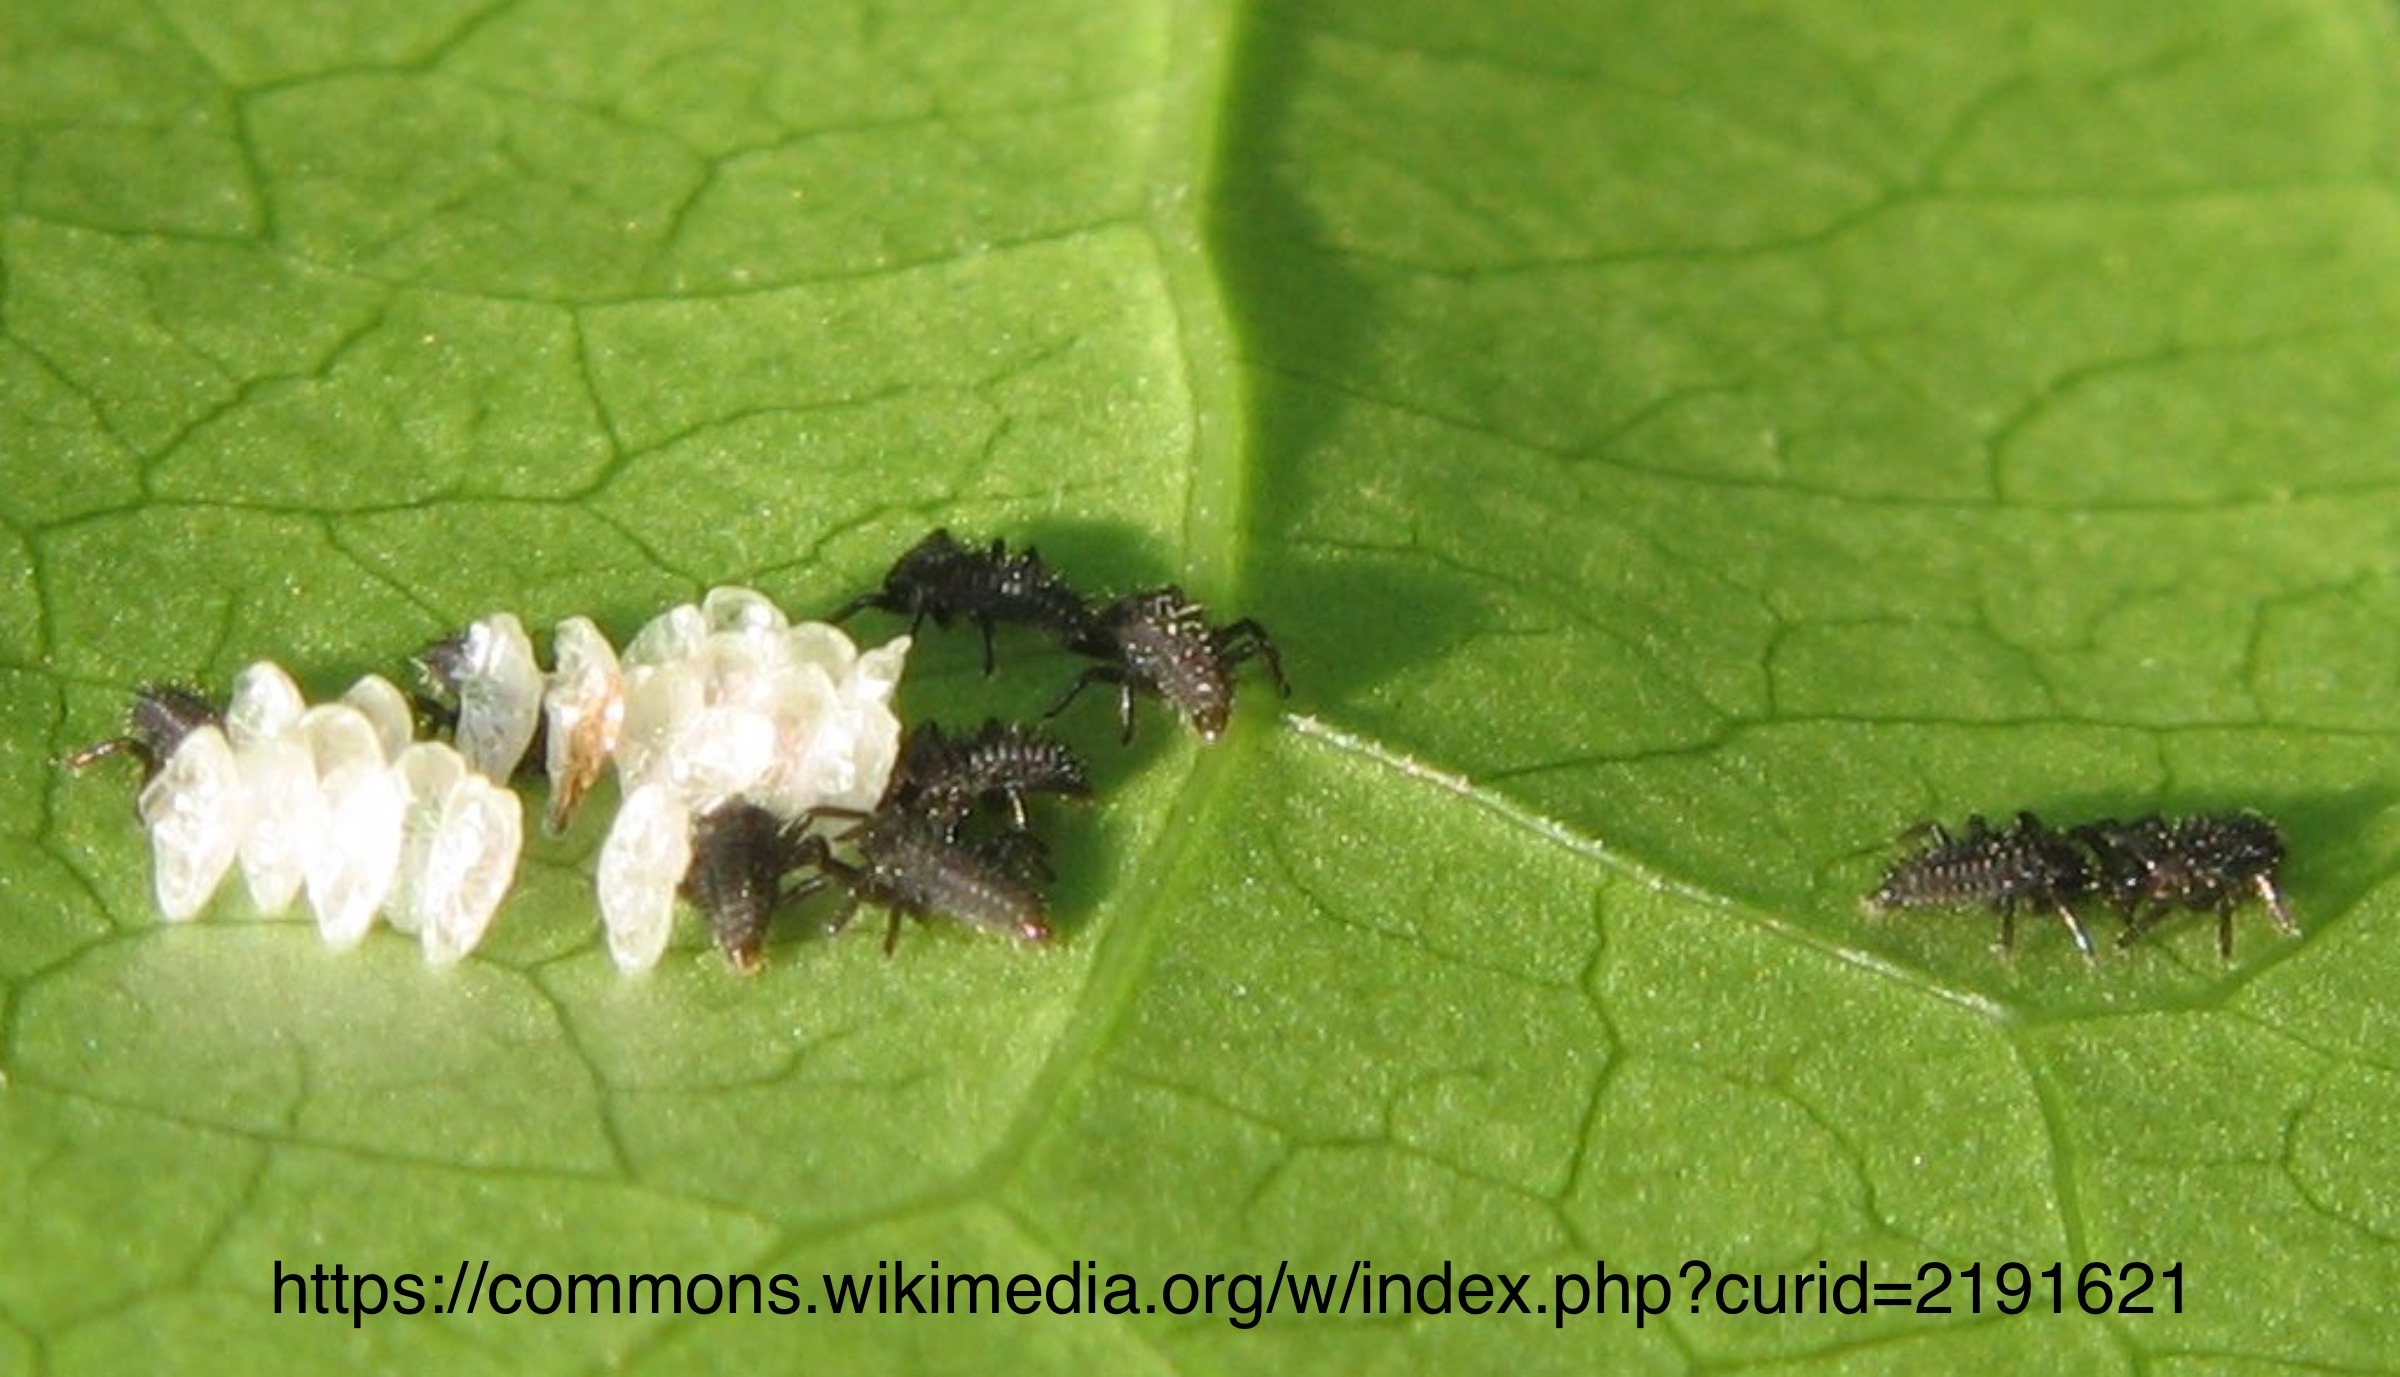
(1675, 451)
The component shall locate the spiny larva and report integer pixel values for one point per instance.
(1160, 643)
(2209, 863)
(944, 776)
(740, 854)
(940, 578)
(161, 716)
(2005, 870)
(910, 865)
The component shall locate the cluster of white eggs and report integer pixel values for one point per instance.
(335, 799)
(728, 702)
(720, 702)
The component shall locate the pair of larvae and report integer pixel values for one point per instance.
(950, 838)
(1156, 644)
(2147, 870)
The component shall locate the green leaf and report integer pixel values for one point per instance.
(1675, 447)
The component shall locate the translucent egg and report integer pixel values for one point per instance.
(649, 848)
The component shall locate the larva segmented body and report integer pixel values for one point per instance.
(2007, 870)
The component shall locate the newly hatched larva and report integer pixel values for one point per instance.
(488, 675)
(914, 856)
(1160, 643)
(162, 715)
(946, 776)
(2209, 863)
(740, 856)
(942, 579)
(2005, 870)
(911, 866)
(192, 802)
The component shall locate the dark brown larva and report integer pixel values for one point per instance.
(740, 856)
(909, 865)
(942, 579)
(2006, 870)
(918, 855)
(1160, 643)
(162, 715)
(2210, 863)
(945, 776)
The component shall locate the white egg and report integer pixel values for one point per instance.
(499, 696)
(720, 753)
(338, 734)
(876, 675)
(353, 868)
(670, 637)
(747, 668)
(286, 818)
(384, 705)
(427, 771)
(660, 699)
(825, 646)
(808, 701)
(469, 864)
(196, 811)
(839, 738)
(740, 609)
(265, 704)
(649, 848)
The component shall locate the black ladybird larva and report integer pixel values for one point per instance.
(910, 866)
(162, 715)
(2209, 863)
(740, 856)
(942, 579)
(2004, 870)
(944, 776)
(1160, 643)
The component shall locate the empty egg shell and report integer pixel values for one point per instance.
(585, 714)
